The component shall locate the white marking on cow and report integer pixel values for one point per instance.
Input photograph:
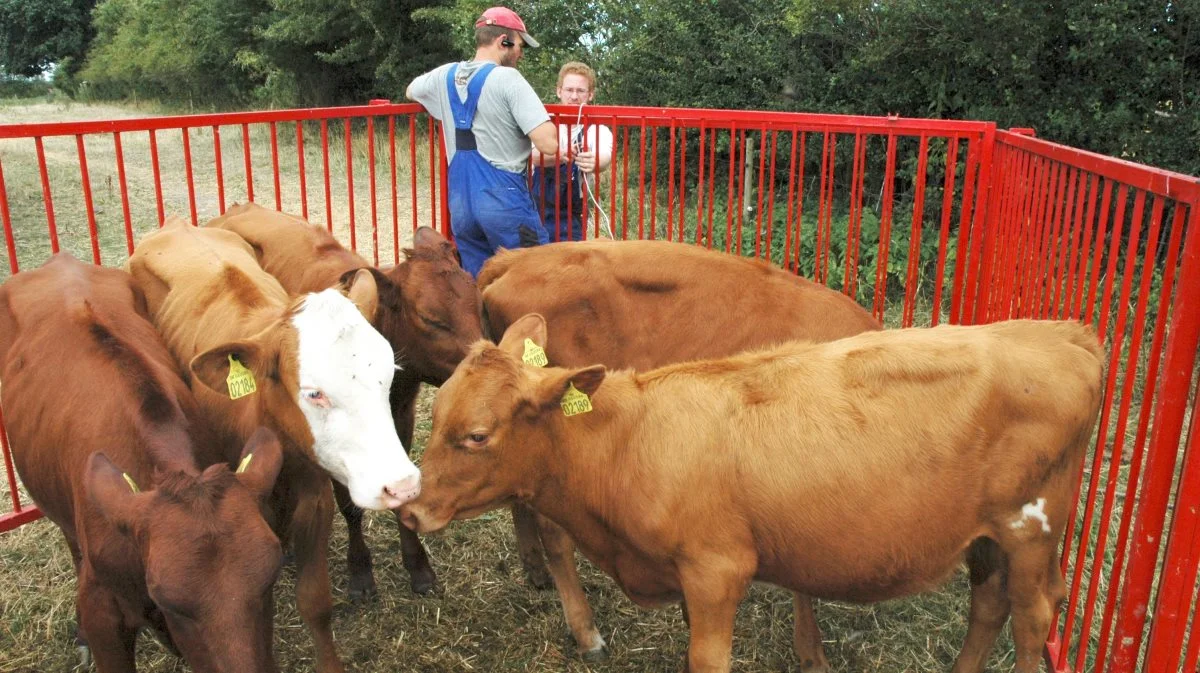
(1034, 511)
(354, 437)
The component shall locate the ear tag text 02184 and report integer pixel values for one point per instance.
(240, 380)
(575, 402)
(534, 354)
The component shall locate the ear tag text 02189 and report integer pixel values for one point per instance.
(240, 380)
(534, 354)
(575, 402)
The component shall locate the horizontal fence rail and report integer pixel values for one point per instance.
(921, 221)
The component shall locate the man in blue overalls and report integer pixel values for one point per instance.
(490, 116)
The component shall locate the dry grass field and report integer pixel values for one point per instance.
(484, 616)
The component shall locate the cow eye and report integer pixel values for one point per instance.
(476, 440)
(435, 324)
(315, 397)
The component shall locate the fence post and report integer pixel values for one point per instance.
(983, 229)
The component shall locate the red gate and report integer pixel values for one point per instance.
(924, 221)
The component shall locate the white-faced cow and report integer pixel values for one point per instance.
(106, 438)
(860, 470)
(310, 368)
(427, 309)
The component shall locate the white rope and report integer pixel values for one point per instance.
(591, 194)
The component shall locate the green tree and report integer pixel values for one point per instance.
(36, 34)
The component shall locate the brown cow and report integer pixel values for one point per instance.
(310, 368)
(143, 559)
(428, 311)
(641, 305)
(858, 470)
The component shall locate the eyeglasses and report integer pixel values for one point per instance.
(581, 92)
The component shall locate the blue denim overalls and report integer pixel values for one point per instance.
(490, 208)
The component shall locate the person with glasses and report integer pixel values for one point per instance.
(491, 120)
(559, 180)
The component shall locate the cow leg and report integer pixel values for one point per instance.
(1035, 590)
(358, 557)
(712, 589)
(989, 605)
(311, 523)
(81, 643)
(560, 558)
(529, 544)
(807, 638)
(111, 640)
(416, 561)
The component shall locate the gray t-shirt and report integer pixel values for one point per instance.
(508, 110)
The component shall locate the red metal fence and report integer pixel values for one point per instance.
(923, 221)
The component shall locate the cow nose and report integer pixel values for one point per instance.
(399, 492)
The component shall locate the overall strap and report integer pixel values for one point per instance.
(463, 112)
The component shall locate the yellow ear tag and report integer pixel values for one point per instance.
(534, 354)
(575, 402)
(245, 463)
(240, 380)
(132, 484)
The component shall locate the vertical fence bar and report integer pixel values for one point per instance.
(1085, 261)
(325, 173)
(47, 198)
(216, 131)
(771, 193)
(123, 185)
(349, 142)
(712, 185)
(939, 280)
(914, 245)
(670, 179)
(85, 181)
(412, 167)
(191, 182)
(885, 229)
(980, 263)
(9, 240)
(392, 189)
(1070, 278)
(1098, 253)
(758, 209)
(1113, 254)
(964, 231)
(1132, 486)
(275, 165)
(1161, 456)
(247, 162)
(854, 221)
(374, 199)
(300, 167)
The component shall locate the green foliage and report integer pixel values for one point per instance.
(35, 34)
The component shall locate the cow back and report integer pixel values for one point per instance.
(644, 304)
(123, 396)
(301, 256)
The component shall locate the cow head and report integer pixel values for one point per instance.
(428, 308)
(492, 431)
(323, 375)
(210, 560)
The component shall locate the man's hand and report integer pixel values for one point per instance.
(586, 161)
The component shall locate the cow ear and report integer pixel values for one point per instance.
(114, 494)
(259, 466)
(360, 286)
(212, 367)
(530, 326)
(587, 380)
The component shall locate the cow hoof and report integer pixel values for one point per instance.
(85, 657)
(423, 581)
(362, 588)
(596, 656)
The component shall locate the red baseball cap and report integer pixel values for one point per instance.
(506, 18)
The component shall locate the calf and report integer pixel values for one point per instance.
(310, 368)
(858, 470)
(427, 309)
(641, 305)
(156, 542)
